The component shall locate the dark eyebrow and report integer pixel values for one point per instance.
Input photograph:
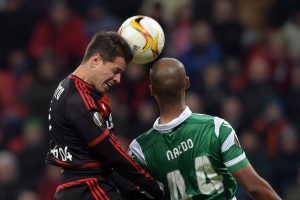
(119, 69)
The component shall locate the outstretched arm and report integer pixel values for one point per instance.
(257, 187)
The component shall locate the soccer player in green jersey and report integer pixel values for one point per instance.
(193, 156)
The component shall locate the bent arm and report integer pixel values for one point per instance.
(106, 147)
(257, 187)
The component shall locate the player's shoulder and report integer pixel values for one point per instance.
(72, 95)
(148, 137)
(146, 134)
(197, 118)
(79, 95)
(74, 99)
(206, 119)
(218, 123)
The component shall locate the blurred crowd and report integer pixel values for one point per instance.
(242, 57)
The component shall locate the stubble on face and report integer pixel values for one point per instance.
(107, 72)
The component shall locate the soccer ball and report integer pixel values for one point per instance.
(145, 37)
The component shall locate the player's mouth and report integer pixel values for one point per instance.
(108, 85)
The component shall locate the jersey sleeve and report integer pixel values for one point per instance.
(137, 154)
(87, 120)
(107, 148)
(233, 154)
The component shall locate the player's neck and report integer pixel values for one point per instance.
(82, 73)
(168, 113)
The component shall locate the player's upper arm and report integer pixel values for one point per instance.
(87, 121)
(89, 127)
(256, 186)
(247, 177)
(233, 154)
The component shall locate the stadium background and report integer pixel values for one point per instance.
(243, 58)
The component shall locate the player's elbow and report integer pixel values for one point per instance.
(254, 190)
(261, 190)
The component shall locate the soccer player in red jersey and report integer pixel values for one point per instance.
(83, 143)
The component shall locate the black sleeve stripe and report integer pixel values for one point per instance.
(88, 101)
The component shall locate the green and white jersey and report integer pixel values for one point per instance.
(192, 156)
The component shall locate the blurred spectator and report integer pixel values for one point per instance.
(129, 96)
(231, 111)
(48, 183)
(292, 97)
(9, 186)
(212, 90)
(99, 18)
(33, 152)
(291, 31)
(203, 9)
(135, 86)
(274, 56)
(156, 12)
(62, 33)
(255, 89)
(204, 50)
(270, 125)
(286, 165)
(255, 152)
(253, 13)
(168, 9)
(281, 10)
(37, 95)
(15, 31)
(279, 60)
(252, 16)
(194, 102)
(123, 9)
(13, 78)
(28, 195)
(181, 30)
(36, 8)
(226, 27)
(18, 65)
(143, 119)
(293, 192)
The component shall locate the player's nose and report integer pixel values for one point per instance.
(117, 78)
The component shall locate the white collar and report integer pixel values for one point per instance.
(165, 128)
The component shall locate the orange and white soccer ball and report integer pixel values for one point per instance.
(145, 37)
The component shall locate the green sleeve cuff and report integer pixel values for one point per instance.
(239, 165)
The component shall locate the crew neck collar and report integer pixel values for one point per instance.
(165, 128)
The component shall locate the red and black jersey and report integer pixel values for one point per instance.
(82, 137)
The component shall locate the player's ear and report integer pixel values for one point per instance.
(187, 82)
(96, 59)
(151, 90)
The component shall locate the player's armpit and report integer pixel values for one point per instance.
(256, 186)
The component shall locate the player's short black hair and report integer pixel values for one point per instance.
(110, 45)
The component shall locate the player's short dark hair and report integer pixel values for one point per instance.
(110, 45)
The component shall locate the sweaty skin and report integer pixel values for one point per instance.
(167, 75)
(169, 82)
